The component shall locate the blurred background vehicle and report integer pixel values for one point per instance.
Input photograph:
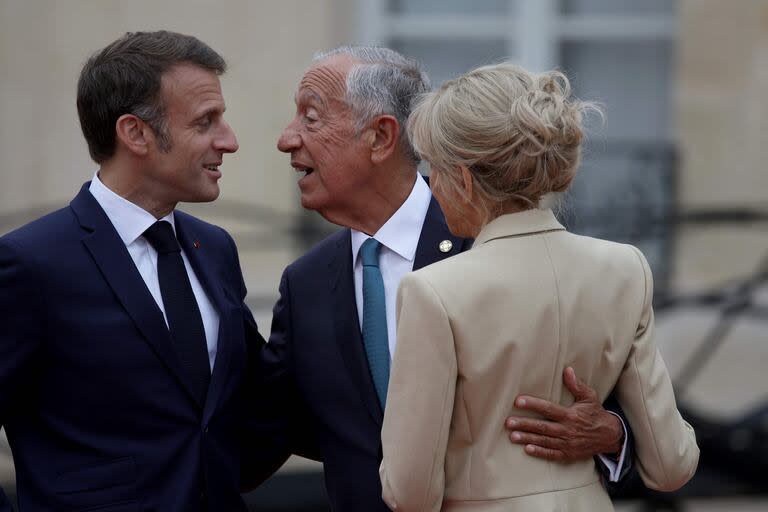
(677, 168)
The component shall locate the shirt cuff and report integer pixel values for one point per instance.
(613, 466)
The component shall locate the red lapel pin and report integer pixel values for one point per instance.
(196, 244)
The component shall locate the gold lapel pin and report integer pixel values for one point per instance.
(446, 246)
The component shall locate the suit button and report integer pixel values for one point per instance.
(205, 430)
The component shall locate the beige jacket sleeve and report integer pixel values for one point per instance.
(420, 399)
(667, 453)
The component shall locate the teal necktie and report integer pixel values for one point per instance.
(375, 319)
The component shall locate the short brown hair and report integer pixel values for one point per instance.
(125, 78)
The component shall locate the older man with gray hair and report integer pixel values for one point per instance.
(333, 329)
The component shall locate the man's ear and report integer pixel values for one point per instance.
(467, 181)
(383, 133)
(133, 133)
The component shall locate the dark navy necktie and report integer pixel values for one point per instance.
(181, 310)
(375, 319)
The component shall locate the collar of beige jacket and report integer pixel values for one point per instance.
(521, 223)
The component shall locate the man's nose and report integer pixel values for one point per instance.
(227, 141)
(289, 140)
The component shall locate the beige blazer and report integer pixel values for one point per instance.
(504, 318)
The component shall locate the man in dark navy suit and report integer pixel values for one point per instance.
(358, 170)
(122, 349)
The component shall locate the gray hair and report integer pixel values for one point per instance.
(383, 82)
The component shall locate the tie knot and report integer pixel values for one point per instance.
(369, 252)
(160, 236)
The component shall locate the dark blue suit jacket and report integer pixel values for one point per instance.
(317, 370)
(98, 412)
(322, 396)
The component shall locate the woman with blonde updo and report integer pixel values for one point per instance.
(508, 316)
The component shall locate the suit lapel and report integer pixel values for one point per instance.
(435, 231)
(200, 258)
(115, 263)
(347, 325)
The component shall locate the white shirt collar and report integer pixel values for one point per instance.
(402, 230)
(130, 220)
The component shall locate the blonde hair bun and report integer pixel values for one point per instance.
(518, 132)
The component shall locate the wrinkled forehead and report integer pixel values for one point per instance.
(327, 79)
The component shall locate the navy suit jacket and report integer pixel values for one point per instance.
(98, 412)
(316, 367)
(321, 394)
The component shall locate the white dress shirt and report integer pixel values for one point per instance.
(399, 237)
(616, 467)
(130, 222)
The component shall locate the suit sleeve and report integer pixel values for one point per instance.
(253, 337)
(419, 401)
(22, 314)
(667, 453)
(619, 472)
(276, 362)
(278, 423)
(257, 461)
